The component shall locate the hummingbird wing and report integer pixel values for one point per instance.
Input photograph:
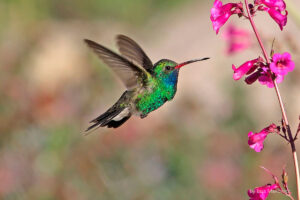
(131, 50)
(130, 74)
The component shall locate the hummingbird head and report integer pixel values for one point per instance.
(167, 70)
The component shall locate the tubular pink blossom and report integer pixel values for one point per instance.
(282, 64)
(276, 9)
(261, 193)
(277, 4)
(246, 68)
(263, 73)
(237, 39)
(220, 13)
(278, 17)
(256, 140)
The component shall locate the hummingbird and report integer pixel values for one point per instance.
(148, 85)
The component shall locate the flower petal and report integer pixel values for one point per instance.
(278, 17)
(256, 140)
(261, 193)
(246, 68)
(282, 64)
(220, 13)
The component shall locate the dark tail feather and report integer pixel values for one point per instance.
(91, 127)
(106, 119)
(101, 117)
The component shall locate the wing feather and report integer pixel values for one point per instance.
(130, 74)
(131, 50)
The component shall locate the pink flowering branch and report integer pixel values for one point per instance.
(268, 71)
(261, 193)
(284, 116)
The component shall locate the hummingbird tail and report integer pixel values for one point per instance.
(115, 116)
(112, 118)
(116, 124)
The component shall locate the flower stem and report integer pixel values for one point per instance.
(284, 116)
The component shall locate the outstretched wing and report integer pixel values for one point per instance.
(131, 50)
(130, 74)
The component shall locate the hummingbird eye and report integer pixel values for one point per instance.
(168, 67)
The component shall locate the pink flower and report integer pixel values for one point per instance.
(220, 13)
(261, 193)
(282, 64)
(277, 4)
(275, 8)
(256, 140)
(263, 75)
(237, 39)
(246, 68)
(280, 19)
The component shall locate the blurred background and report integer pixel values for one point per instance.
(195, 147)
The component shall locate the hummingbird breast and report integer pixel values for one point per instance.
(152, 98)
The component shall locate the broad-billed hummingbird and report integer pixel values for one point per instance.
(148, 85)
